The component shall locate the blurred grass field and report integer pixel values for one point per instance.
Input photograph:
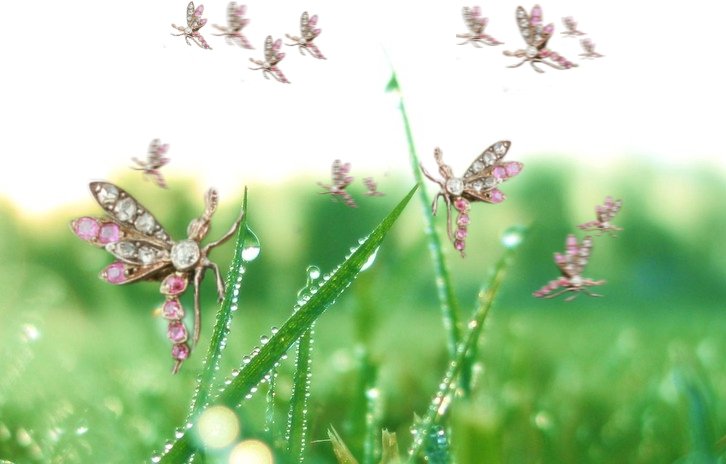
(637, 376)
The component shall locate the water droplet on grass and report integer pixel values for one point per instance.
(513, 237)
(250, 246)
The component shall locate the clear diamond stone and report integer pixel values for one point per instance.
(108, 194)
(531, 51)
(520, 13)
(489, 158)
(477, 166)
(490, 182)
(478, 185)
(455, 186)
(125, 249)
(499, 148)
(523, 23)
(525, 33)
(576, 281)
(146, 255)
(185, 254)
(145, 223)
(125, 209)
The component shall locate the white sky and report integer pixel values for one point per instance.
(86, 85)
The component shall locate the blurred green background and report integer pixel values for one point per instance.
(637, 376)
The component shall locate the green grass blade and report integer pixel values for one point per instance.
(252, 373)
(296, 434)
(444, 289)
(224, 315)
(444, 395)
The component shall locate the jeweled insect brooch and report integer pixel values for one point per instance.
(372, 187)
(341, 180)
(233, 31)
(194, 23)
(589, 48)
(272, 57)
(145, 251)
(476, 25)
(308, 33)
(536, 36)
(154, 162)
(479, 183)
(571, 26)
(571, 265)
(605, 214)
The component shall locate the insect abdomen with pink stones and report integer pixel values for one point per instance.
(462, 221)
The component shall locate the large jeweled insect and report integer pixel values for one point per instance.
(154, 162)
(233, 31)
(341, 180)
(536, 36)
(605, 214)
(571, 265)
(194, 23)
(272, 57)
(145, 251)
(476, 25)
(571, 26)
(589, 48)
(308, 33)
(372, 187)
(479, 183)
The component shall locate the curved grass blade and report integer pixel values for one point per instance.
(252, 373)
(445, 394)
(244, 241)
(444, 289)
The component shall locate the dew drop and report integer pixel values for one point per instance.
(369, 262)
(264, 339)
(155, 458)
(30, 333)
(513, 237)
(251, 246)
(274, 330)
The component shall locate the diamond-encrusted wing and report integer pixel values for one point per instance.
(129, 214)
(608, 211)
(156, 154)
(305, 29)
(191, 18)
(234, 16)
(340, 176)
(195, 21)
(473, 21)
(524, 23)
(270, 53)
(487, 172)
(573, 262)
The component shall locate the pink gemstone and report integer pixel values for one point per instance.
(549, 29)
(499, 172)
(544, 53)
(316, 31)
(559, 259)
(177, 333)
(461, 204)
(173, 285)
(241, 10)
(199, 10)
(86, 228)
(554, 55)
(461, 234)
(173, 310)
(462, 220)
(513, 168)
(277, 44)
(202, 22)
(114, 273)
(280, 56)
(476, 11)
(313, 21)
(459, 245)
(571, 241)
(562, 60)
(163, 149)
(180, 351)
(109, 233)
(496, 196)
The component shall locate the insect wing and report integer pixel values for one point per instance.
(483, 163)
(525, 26)
(471, 20)
(271, 51)
(129, 214)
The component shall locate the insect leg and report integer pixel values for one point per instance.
(218, 279)
(198, 274)
(226, 236)
(531, 62)
(519, 64)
